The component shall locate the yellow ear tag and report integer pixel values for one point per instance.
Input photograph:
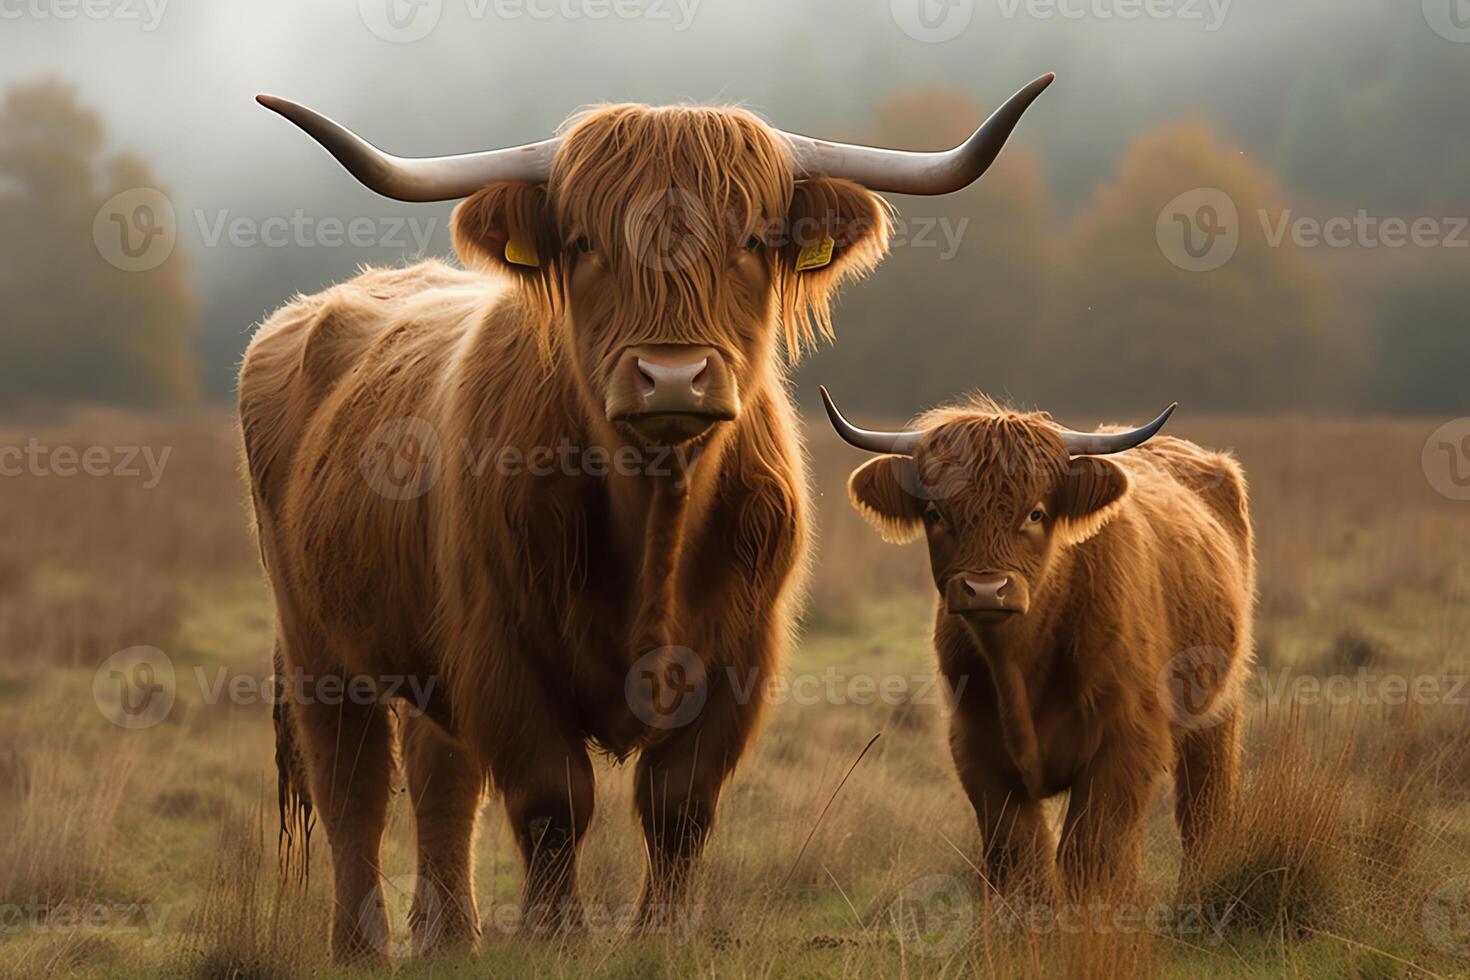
(815, 256)
(518, 251)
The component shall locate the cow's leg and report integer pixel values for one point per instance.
(349, 756)
(445, 786)
(1102, 835)
(545, 777)
(1019, 849)
(1206, 770)
(678, 787)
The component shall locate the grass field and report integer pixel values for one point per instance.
(152, 852)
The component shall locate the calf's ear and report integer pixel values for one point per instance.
(1089, 496)
(506, 227)
(876, 489)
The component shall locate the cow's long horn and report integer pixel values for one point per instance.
(906, 172)
(895, 443)
(418, 178)
(1103, 443)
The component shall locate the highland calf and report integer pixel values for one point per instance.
(550, 491)
(1094, 621)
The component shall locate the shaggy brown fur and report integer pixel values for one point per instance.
(524, 600)
(1132, 651)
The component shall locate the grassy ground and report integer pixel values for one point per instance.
(153, 851)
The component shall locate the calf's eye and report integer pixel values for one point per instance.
(932, 516)
(583, 244)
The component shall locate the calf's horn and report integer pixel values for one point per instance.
(1077, 443)
(422, 179)
(894, 443)
(1104, 443)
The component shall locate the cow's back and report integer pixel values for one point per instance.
(337, 391)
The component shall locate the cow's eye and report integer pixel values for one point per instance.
(1036, 516)
(752, 243)
(583, 244)
(932, 516)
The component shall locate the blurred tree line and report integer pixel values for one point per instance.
(76, 326)
(1005, 287)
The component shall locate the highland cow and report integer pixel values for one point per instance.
(551, 489)
(1094, 623)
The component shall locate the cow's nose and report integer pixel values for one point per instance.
(673, 392)
(988, 592)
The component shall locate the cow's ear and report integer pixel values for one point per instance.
(1089, 496)
(506, 226)
(835, 230)
(876, 489)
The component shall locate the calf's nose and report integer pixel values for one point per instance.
(985, 592)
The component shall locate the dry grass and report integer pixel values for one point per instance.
(1343, 861)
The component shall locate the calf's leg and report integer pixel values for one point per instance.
(1206, 774)
(1102, 836)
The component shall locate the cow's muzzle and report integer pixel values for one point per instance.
(667, 394)
(989, 595)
